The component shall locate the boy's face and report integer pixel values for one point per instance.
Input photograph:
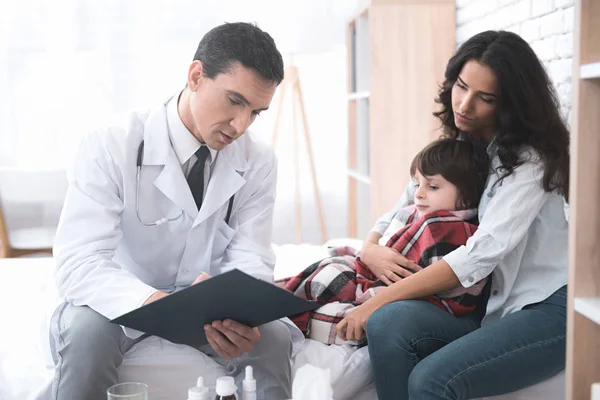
(434, 193)
(223, 108)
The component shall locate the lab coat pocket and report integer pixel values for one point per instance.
(223, 236)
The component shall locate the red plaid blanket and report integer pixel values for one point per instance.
(341, 282)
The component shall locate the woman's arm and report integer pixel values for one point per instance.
(436, 278)
(385, 263)
(372, 238)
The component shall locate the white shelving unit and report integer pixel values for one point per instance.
(590, 71)
(589, 308)
(359, 95)
(359, 177)
(359, 136)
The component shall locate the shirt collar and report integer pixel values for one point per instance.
(184, 143)
(492, 147)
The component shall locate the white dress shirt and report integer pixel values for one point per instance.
(107, 259)
(522, 240)
(185, 143)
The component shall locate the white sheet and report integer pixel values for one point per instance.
(26, 366)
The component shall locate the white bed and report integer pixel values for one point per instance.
(26, 366)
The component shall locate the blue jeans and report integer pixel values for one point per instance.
(420, 352)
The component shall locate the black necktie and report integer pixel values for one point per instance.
(196, 177)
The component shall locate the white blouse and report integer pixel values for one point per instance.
(522, 240)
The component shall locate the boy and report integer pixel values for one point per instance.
(449, 177)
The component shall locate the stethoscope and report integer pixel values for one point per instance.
(163, 220)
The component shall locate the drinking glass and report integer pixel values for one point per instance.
(128, 391)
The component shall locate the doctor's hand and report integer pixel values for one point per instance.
(155, 296)
(230, 339)
(203, 276)
(387, 264)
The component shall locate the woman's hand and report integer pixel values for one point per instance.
(353, 327)
(387, 264)
(436, 278)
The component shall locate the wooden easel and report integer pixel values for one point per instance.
(292, 80)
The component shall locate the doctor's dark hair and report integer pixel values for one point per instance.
(464, 163)
(241, 42)
(528, 112)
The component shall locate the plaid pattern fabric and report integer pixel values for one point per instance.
(341, 282)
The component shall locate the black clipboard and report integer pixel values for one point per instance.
(180, 317)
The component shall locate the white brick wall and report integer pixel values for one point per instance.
(547, 25)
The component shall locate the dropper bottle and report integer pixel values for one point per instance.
(199, 392)
(249, 385)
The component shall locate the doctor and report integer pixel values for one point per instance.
(172, 197)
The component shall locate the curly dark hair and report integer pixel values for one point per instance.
(527, 106)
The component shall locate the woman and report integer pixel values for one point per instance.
(495, 89)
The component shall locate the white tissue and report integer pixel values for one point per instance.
(312, 383)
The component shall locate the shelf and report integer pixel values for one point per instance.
(361, 55)
(359, 177)
(590, 71)
(359, 95)
(589, 307)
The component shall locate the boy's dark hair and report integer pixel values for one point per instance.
(227, 44)
(464, 163)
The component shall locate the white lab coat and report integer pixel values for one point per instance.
(106, 259)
